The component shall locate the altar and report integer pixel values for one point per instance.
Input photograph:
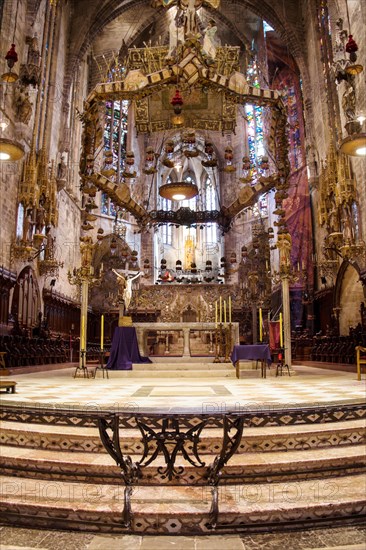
(125, 350)
(255, 352)
(187, 329)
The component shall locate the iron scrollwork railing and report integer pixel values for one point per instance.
(230, 444)
(170, 438)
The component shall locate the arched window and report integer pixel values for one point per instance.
(115, 142)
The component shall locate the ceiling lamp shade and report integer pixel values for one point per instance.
(10, 150)
(178, 191)
(354, 145)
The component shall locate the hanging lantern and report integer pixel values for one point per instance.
(129, 161)
(229, 167)
(189, 142)
(233, 258)
(149, 161)
(264, 167)
(11, 58)
(351, 48)
(108, 169)
(211, 161)
(246, 170)
(177, 102)
(169, 151)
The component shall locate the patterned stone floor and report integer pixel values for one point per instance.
(309, 386)
(340, 538)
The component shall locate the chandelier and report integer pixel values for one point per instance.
(178, 190)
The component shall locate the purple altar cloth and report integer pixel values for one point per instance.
(255, 351)
(125, 350)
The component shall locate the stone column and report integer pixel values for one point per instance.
(186, 348)
(286, 320)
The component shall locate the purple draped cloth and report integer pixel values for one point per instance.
(252, 352)
(125, 350)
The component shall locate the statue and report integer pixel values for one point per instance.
(61, 174)
(209, 42)
(190, 8)
(33, 50)
(23, 106)
(125, 286)
(28, 225)
(40, 216)
(176, 33)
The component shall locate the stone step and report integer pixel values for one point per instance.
(223, 372)
(182, 510)
(248, 467)
(183, 365)
(254, 440)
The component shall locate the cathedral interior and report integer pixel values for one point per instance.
(255, 124)
(182, 162)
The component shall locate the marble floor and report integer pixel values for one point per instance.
(340, 538)
(58, 388)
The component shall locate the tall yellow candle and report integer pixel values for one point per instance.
(260, 325)
(220, 309)
(102, 332)
(225, 312)
(230, 309)
(281, 335)
(82, 336)
(216, 313)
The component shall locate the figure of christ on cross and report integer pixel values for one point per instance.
(189, 9)
(125, 281)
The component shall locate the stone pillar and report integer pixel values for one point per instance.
(140, 334)
(186, 348)
(286, 320)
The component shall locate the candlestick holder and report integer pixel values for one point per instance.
(228, 342)
(81, 369)
(102, 365)
(218, 330)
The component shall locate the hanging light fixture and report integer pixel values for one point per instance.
(178, 190)
(177, 103)
(10, 150)
(11, 58)
(355, 143)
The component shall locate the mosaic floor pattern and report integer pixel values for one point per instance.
(311, 386)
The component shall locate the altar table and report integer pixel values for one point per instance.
(259, 352)
(125, 350)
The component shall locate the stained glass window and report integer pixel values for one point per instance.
(255, 122)
(115, 140)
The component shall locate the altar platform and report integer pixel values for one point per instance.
(298, 451)
(198, 379)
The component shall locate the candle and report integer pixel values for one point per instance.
(216, 314)
(260, 325)
(281, 336)
(102, 332)
(230, 309)
(82, 335)
(220, 309)
(225, 312)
